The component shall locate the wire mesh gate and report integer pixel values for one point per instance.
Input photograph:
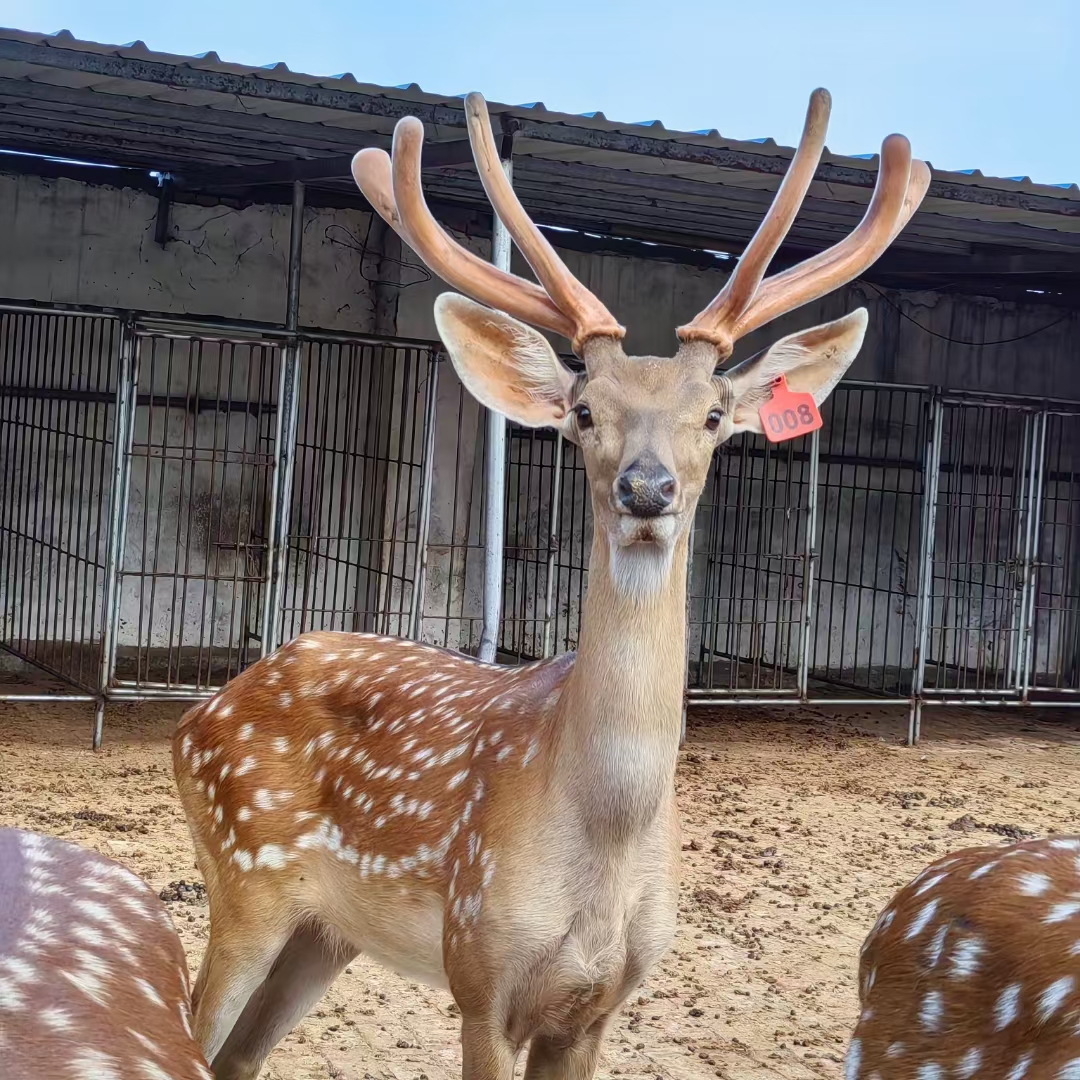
(177, 498)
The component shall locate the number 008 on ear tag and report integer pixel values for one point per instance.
(788, 413)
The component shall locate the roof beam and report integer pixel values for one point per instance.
(436, 156)
(356, 101)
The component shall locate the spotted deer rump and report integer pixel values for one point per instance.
(346, 766)
(973, 970)
(93, 980)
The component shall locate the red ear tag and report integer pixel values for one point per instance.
(788, 414)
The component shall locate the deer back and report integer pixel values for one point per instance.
(973, 970)
(93, 980)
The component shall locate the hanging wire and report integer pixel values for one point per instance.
(360, 245)
(959, 341)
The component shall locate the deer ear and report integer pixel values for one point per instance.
(813, 360)
(504, 364)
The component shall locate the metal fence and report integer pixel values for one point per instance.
(178, 497)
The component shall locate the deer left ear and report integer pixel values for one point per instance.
(813, 360)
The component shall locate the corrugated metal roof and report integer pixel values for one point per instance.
(127, 105)
(413, 92)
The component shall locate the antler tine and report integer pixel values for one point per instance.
(901, 185)
(735, 297)
(393, 189)
(590, 317)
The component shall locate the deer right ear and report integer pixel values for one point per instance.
(504, 364)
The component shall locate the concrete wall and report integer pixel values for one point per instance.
(72, 243)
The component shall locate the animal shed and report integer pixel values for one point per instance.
(225, 417)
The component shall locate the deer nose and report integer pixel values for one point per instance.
(645, 488)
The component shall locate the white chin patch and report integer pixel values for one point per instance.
(640, 567)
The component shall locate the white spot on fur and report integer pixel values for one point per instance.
(969, 1064)
(1060, 912)
(853, 1060)
(933, 953)
(1019, 1070)
(930, 883)
(965, 958)
(90, 1064)
(1032, 884)
(1054, 996)
(271, 856)
(931, 1011)
(922, 920)
(1007, 1008)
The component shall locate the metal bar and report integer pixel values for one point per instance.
(810, 557)
(51, 699)
(553, 548)
(688, 610)
(296, 253)
(1035, 501)
(926, 566)
(123, 436)
(285, 435)
(427, 475)
(494, 519)
(699, 697)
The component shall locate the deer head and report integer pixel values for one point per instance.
(647, 426)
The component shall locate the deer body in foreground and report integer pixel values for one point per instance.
(93, 980)
(509, 833)
(973, 970)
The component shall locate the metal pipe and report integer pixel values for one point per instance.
(809, 565)
(296, 250)
(427, 477)
(285, 435)
(1031, 557)
(1010, 703)
(495, 453)
(80, 699)
(142, 693)
(697, 697)
(1025, 499)
(926, 568)
(127, 384)
(1013, 660)
(688, 613)
(553, 549)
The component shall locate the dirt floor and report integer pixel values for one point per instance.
(797, 831)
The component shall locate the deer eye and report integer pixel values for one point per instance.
(584, 417)
(712, 421)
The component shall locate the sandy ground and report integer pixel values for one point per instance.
(797, 831)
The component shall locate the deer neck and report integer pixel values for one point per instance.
(619, 714)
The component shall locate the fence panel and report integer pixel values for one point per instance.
(58, 375)
(748, 569)
(200, 476)
(986, 484)
(358, 488)
(870, 501)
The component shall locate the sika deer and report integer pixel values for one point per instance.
(973, 970)
(510, 833)
(93, 981)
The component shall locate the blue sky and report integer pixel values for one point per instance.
(989, 84)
